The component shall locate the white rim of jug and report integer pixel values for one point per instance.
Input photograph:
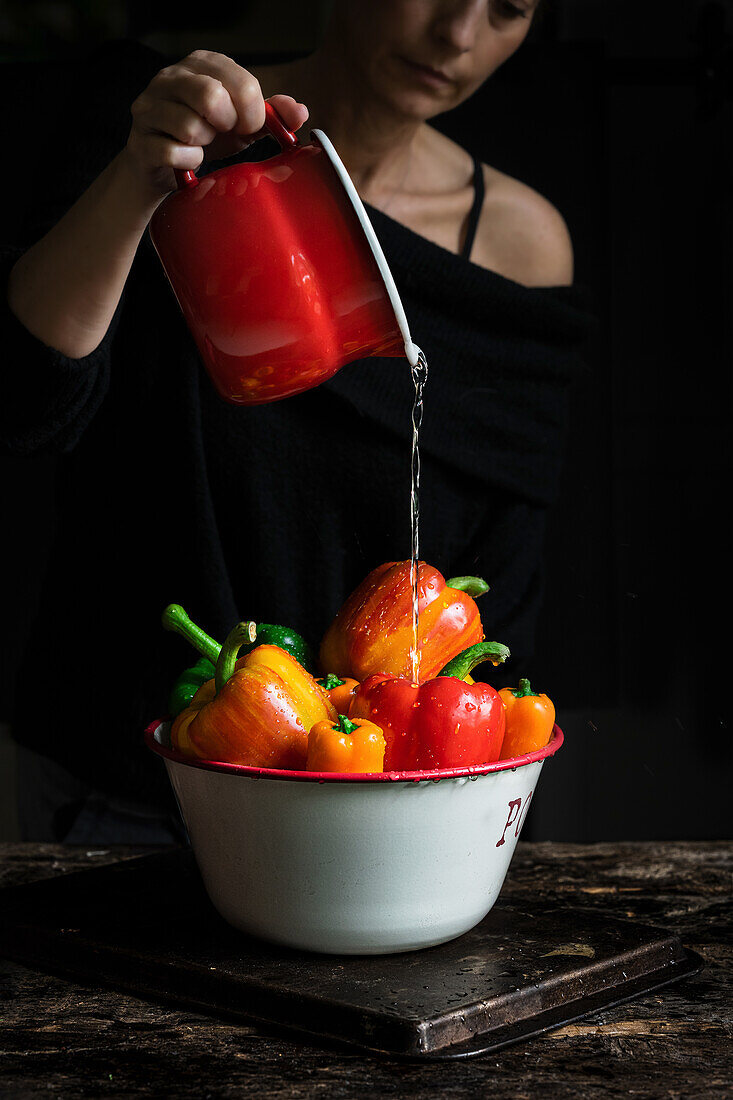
(412, 351)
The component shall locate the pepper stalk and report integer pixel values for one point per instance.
(523, 690)
(472, 586)
(175, 619)
(241, 634)
(345, 725)
(462, 665)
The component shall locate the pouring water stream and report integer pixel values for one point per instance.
(419, 376)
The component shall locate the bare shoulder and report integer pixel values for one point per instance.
(521, 235)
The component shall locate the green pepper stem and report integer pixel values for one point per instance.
(465, 662)
(331, 681)
(241, 634)
(175, 618)
(345, 724)
(523, 689)
(472, 586)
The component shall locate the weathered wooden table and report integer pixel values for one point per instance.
(61, 1039)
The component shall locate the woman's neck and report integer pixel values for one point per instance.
(374, 142)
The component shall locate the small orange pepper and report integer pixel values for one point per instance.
(530, 718)
(355, 747)
(339, 691)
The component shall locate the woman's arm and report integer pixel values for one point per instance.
(66, 288)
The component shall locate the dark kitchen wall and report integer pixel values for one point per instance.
(621, 114)
(654, 758)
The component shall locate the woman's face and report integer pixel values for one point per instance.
(426, 56)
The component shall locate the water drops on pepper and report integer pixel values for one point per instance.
(427, 725)
(175, 619)
(372, 632)
(257, 710)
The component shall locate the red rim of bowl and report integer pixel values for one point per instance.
(351, 777)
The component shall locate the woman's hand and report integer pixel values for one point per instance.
(205, 105)
(66, 287)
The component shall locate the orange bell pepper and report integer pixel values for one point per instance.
(256, 711)
(354, 747)
(339, 691)
(373, 630)
(530, 718)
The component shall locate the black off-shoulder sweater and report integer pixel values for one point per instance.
(165, 493)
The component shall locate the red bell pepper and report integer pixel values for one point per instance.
(440, 723)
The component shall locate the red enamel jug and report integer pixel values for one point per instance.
(278, 271)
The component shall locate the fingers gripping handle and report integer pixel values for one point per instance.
(274, 127)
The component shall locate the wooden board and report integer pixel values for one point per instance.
(147, 926)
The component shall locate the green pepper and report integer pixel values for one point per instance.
(284, 638)
(175, 618)
(188, 684)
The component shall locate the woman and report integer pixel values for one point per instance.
(277, 512)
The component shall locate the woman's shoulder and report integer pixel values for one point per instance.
(521, 235)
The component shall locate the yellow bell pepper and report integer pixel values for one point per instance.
(256, 711)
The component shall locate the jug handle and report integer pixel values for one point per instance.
(274, 127)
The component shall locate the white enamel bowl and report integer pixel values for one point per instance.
(358, 865)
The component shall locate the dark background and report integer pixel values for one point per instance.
(621, 114)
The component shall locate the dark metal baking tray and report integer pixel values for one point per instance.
(146, 926)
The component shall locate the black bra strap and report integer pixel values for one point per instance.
(475, 212)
